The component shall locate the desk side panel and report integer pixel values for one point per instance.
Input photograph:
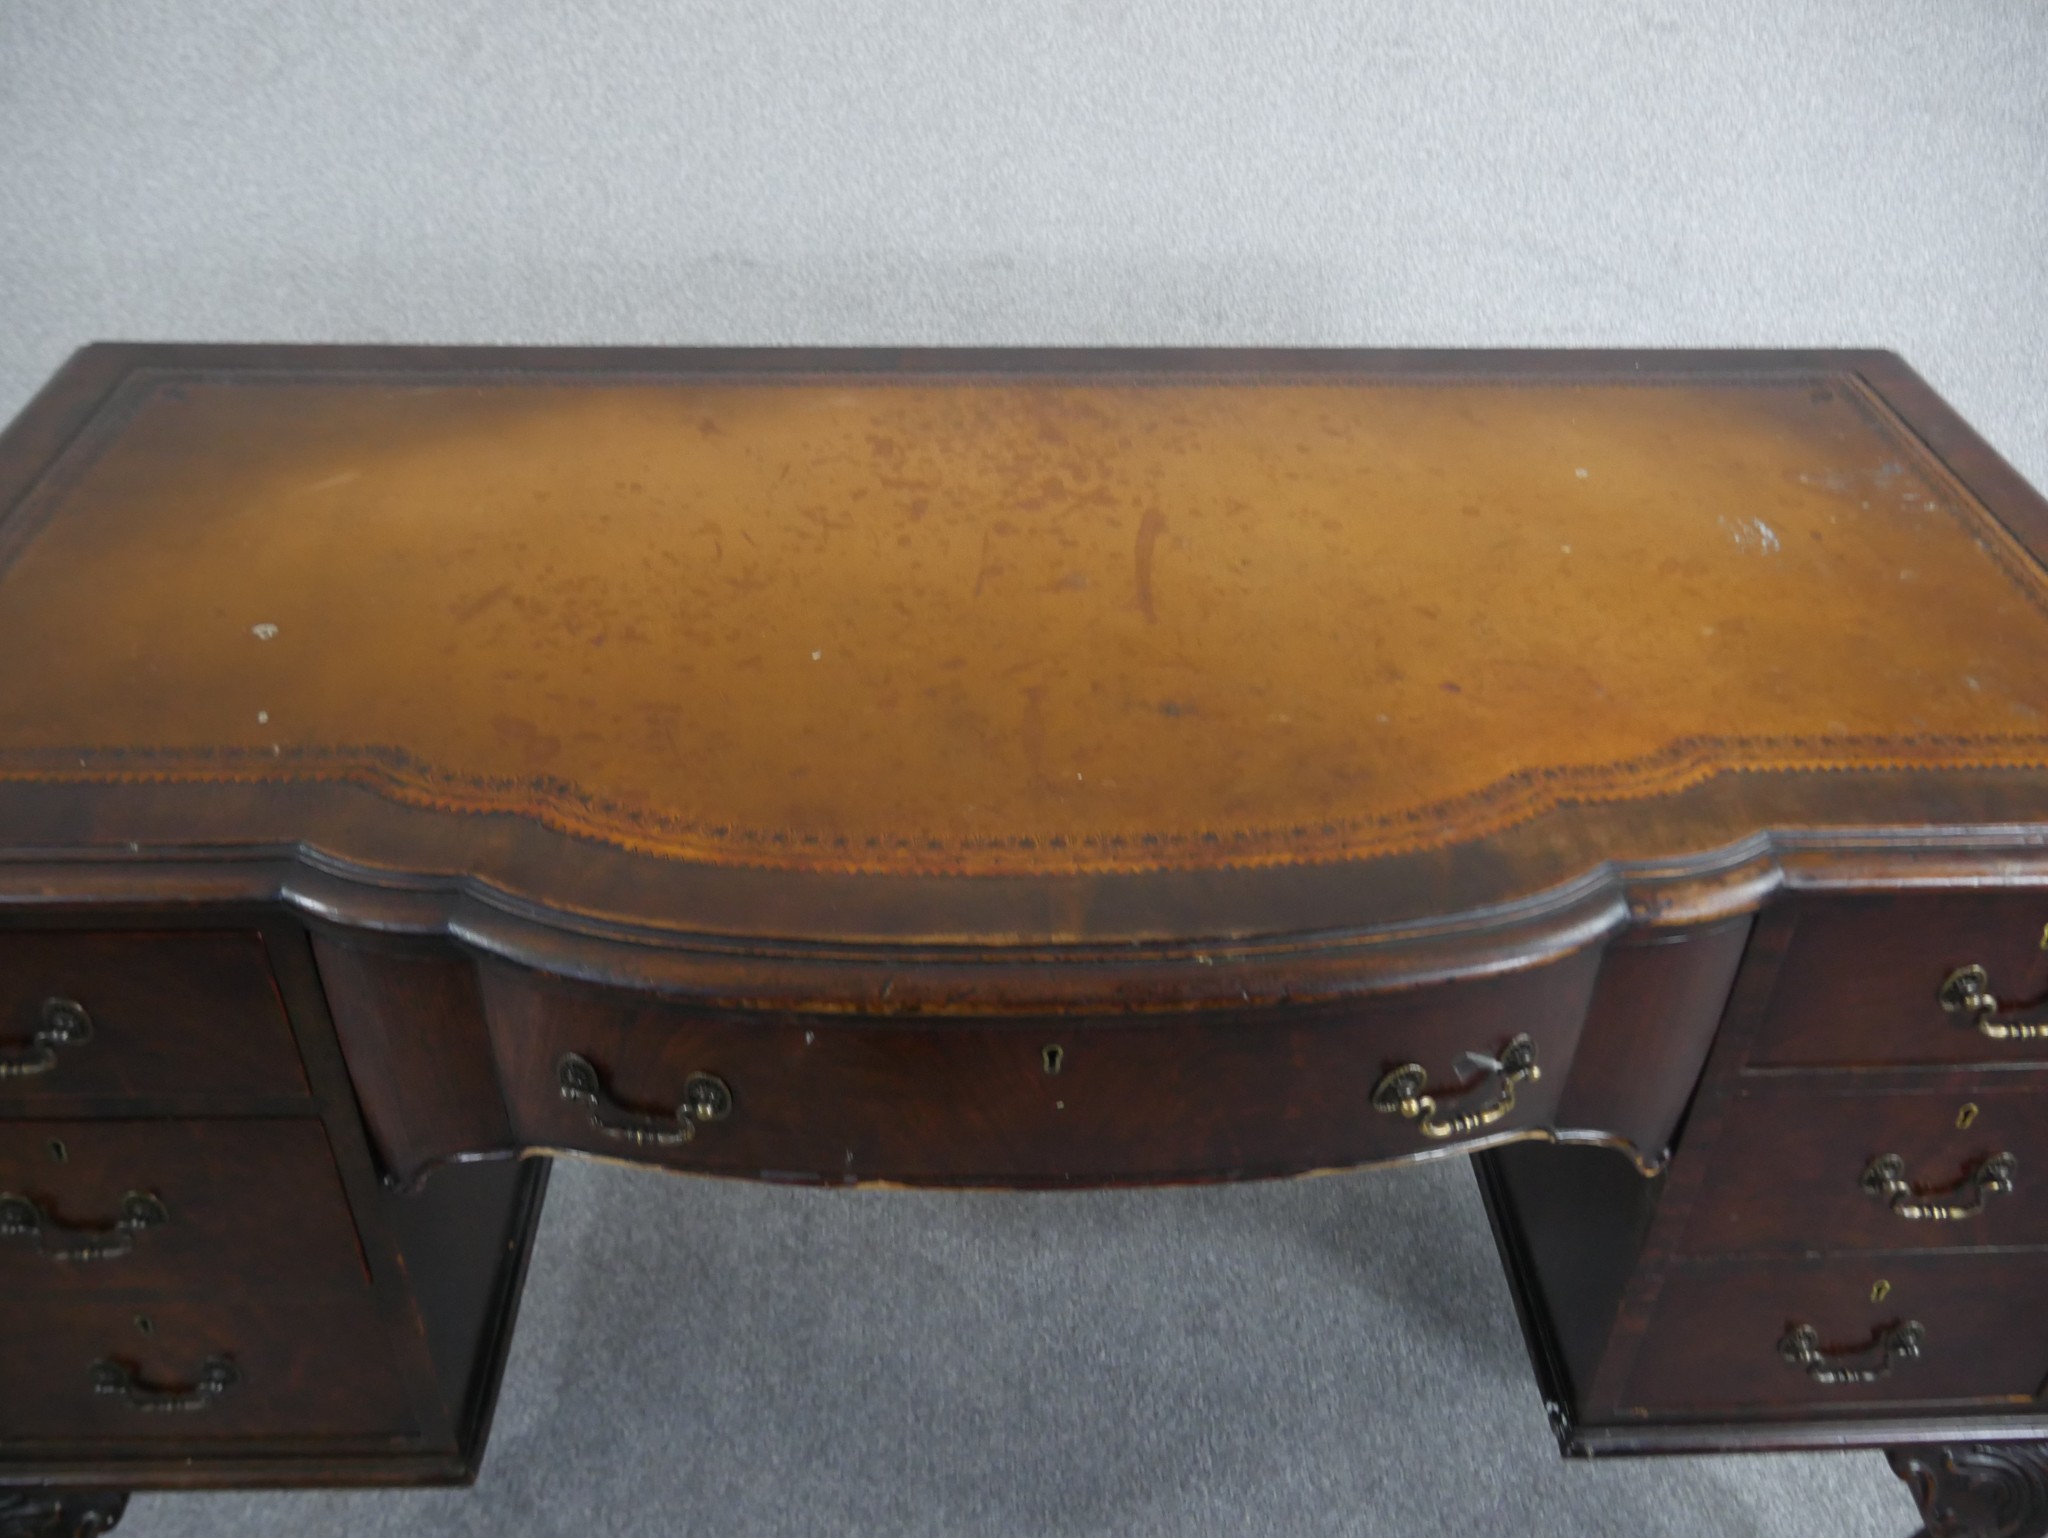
(1660, 996)
(410, 1017)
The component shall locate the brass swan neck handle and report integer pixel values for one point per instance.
(22, 1217)
(1895, 1343)
(1967, 991)
(706, 1098)
(1405, 1091)
(1885, 1178)
(64, 1024)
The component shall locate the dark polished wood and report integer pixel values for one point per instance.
(1570, 1224)
(1014, 768)
(411, 1023)
(1634, 1083)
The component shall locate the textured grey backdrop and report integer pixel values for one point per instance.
(1336, 1356)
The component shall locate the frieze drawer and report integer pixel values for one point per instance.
(1176, 1095)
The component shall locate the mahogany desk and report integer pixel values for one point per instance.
(1031, 769)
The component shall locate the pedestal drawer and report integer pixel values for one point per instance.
(1808, 1166)
(1861, 982)
(195, 1372)
(1060, 1099)
(173, 1207)
(131, 1015)
(1925, 1328)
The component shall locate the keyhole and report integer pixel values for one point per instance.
(1966, 1115)
(1880, 1292)
(143, 1324)
(59, 1154)
(1053, 1057)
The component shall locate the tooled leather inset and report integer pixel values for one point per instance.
(1002, 627)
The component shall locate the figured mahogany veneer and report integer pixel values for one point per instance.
(1016, 768)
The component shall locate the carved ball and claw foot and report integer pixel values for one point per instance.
(60, 1513)
(1978, 1489)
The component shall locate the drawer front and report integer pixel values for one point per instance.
(1861, 980)
(1716, 1343)
(172, 1207)
(1030, 1101)
(1802, 1168)
(204, 1373)
(132, 1015)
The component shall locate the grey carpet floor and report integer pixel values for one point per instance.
(1328, 1356)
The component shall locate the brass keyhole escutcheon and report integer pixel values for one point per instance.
(1966, 1115)
(1053, 1058)
(144, 1325)
(1880, 1291)
(59, 1154)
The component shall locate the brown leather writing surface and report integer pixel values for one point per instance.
(989, 625)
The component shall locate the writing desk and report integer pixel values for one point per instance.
(1022, 769)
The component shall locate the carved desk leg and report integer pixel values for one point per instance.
(1978, 1489)
(60, 1513)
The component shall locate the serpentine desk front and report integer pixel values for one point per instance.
(1021, 769)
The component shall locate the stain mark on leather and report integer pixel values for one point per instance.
(1031, 731)
(1150, 527)
(528, 740)
(331, 482)
(470, 608)
(988, 568)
